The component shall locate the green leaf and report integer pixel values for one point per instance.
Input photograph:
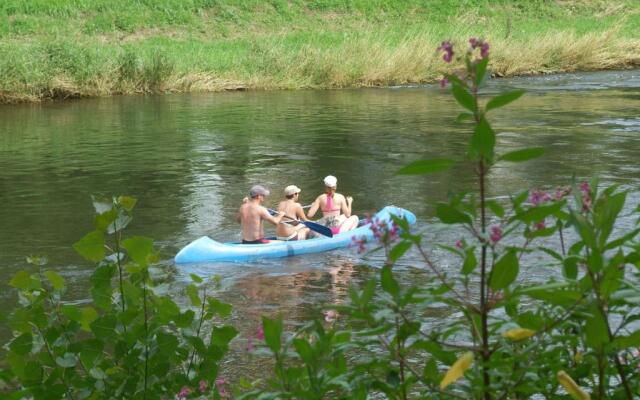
(91, 246)
(101, 289)
(104, 327)
(464, 116)
(195, 278)
(304, 349)
(68, 361)
(504, 271)
(621, 240)
(607, 214)
(218, 307)
(483, 140)
(625, 342)
(127, 202)
(389, 284)
(272, 333)
(192, 292)
(462, 96)
(481, 69)
(399, 249)
(503, 99)
(496, 208)
(88, 315)
(56, 280)
(584, 229)
(522, 155)
(421, 167)
(470, 262)
(21, 280)
(139, 248)
(450, 215)
(596, 333)
(184, 319)
(22, 344)
(537, 214)
(104, 220)
(570, 267)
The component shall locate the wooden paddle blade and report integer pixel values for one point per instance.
(316, 227)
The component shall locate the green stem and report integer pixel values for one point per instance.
(202, 310)
(146, 337)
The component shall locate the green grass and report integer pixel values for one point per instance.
(74, 48)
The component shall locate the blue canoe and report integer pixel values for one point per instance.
(206, 249)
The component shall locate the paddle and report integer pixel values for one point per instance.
(314, 226)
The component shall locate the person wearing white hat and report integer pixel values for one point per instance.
(336, 208)
(252, 213)
(292, 209)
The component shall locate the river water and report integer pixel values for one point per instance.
(190, 159)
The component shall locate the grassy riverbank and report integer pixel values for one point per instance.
(75, 48)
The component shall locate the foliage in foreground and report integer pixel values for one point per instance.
(478, 330)
(131, 342)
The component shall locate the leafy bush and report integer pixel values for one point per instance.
(477, 331)
(132, 342)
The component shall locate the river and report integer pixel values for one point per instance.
(190, 159)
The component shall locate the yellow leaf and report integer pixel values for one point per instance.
(572, 387)
(518, 334)
(457, 369)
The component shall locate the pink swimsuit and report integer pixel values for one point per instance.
(329, 208)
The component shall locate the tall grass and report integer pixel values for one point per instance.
(74, 48)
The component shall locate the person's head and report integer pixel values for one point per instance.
(291, 192)
(330, 183)
(258, 192)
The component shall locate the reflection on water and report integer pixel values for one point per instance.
(191, 158)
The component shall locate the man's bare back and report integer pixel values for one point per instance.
(252, 213)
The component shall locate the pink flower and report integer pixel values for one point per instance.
(540, 225)
(473, 42)
(220, 382)
(496, 234)
(260, 333)
(447, 48)
(330, 315)
(561, 192)
(444, 82)
(359, 244)
(538, 197)
(250, 344)
(184, 392)
(484, 50)
(459, 244)
(585, 188)
(203, 386)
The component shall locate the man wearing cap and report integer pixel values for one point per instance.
(336, 209)
(293, 210)
(251, 215)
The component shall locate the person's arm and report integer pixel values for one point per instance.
(300, 213)
(274, 220)
(346, 206)
(239, 215)
(314, 208)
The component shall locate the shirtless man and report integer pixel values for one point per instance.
(294, 211)
(251, 215)
(336, 209)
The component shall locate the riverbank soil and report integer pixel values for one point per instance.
(87, 48)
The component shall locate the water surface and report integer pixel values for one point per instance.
(190, 159)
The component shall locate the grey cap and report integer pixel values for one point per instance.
(257, 190)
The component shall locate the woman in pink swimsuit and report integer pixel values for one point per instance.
(336, 209)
